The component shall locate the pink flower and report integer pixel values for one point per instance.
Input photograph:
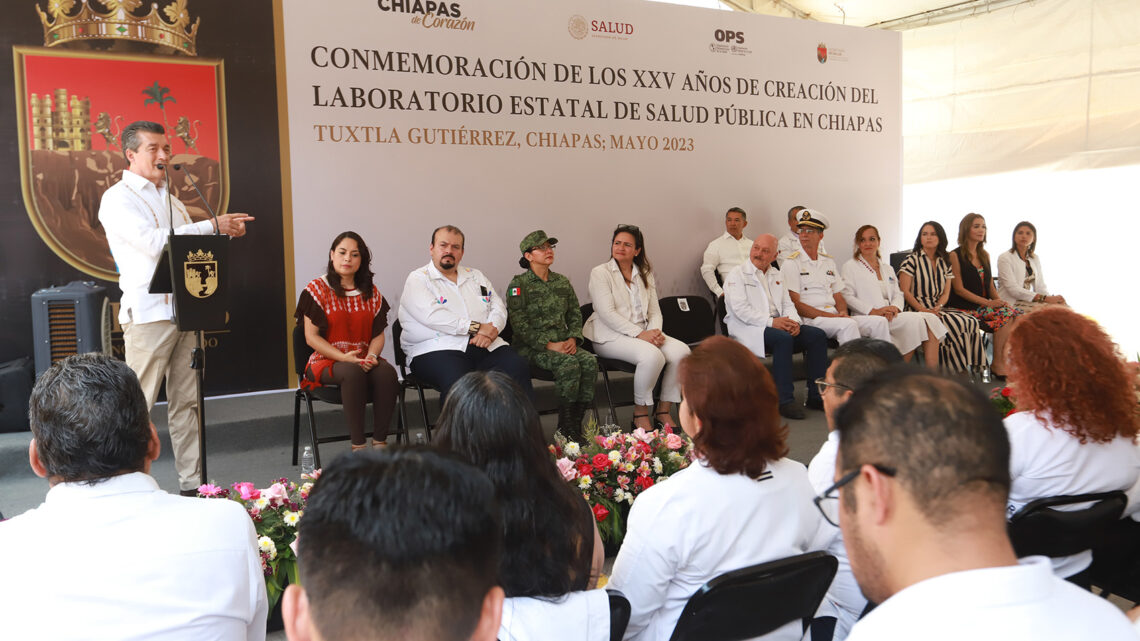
(673, 442)
(609, 442)
(566, 468)
(643, 469)
(247, 491)
(209, 489)
(643, 436)
(276, 493)
(623, 481)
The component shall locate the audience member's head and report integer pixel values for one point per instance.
(932, 237)
(1065, 368)
(731, 408)
(489, 421)
(399, 544)
(853, 364)
(90, 421)
(763, 251)
(735, 220)
(923, 469)
(794, 218)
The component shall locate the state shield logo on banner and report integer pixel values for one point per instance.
(71, 108)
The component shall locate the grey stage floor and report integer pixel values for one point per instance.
(249, 438)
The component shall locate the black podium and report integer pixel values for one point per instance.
(195, 270)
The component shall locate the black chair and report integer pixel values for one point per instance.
(620, 611)
(722, 315)
(408, 380)
(896, 260)
(606, 365)
(756, 600)
(688, 319)
(326, 393)
(1037, 528)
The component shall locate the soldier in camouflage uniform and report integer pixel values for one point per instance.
(547, 323)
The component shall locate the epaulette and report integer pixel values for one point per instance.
(795, 254)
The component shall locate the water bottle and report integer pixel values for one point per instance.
(420, 440)
(307, 466)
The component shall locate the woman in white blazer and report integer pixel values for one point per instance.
(870, 287)
(1020, 279)
(626, 325)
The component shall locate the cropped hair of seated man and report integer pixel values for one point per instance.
(401, 545)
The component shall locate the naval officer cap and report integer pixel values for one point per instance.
(812, 218)
(535, 239)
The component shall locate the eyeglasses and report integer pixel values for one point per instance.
(543, 247)
(828, 501)
(822, 386)
(808, 230)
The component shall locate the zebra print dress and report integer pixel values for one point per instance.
(962, 348)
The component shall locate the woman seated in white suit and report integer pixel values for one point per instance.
(871, 288)
(1020, 280)
(626, 325)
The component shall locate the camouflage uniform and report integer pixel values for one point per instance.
(542, 312)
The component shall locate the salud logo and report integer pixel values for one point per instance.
(821, 53)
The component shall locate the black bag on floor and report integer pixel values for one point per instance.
(16, 380)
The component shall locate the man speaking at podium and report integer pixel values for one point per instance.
(137, 214)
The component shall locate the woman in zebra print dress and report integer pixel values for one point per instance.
(924, 278)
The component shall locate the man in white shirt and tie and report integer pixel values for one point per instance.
(451, 318)
(727, 251)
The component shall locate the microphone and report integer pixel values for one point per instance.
(217, 225)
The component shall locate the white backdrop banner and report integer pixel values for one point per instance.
(509, 116)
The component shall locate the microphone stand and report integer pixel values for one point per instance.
(217, 226)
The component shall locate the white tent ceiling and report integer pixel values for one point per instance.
(887, 14)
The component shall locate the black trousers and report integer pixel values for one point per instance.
(444, 367)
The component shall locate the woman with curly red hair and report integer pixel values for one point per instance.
(1076, 429)
(740, 503)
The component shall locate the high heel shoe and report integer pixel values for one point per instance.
(633, 424)
(668, 422)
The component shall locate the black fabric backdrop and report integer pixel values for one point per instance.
(252, 355)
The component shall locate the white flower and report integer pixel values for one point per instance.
(629, 498)
(657, 467)
(261, 503)
(265, 544)
(675, 457)
(627, 467)
(572, 449)
(584, 482)
(291, 518)
(619, 495)
(615, 456)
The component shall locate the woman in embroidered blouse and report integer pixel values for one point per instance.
(872, 289)
(973, 288)
(1019, 272)
(924, 278)
(344, 318)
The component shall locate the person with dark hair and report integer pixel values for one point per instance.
(168, 567)
(626, 325)
(397, 544)
(136, 214)
(1022, 282)
(551, 544)
(762, 317)
(790, 242)
(344, 317)
(547, 323)
(921, 487)
(740, 503)
(852, 365)
(872, 289)
(451, 318)
(1076, 425)
(924, 278)
(973, 291)
(727, 251)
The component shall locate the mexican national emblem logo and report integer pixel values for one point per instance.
(821, 53)
(72, 105)
(578, 27)
(200, 272)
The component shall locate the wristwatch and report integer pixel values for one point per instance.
(474, 328)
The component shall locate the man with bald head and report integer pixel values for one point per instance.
(761, 315)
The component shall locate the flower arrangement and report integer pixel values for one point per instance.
(611, 469)
(275, 511)
(1003, 400)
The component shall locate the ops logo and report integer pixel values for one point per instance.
(723, 35)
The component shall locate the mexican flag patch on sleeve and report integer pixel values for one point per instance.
(515, 291)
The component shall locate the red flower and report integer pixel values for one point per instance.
(643, 482)
(1006, 392)
(584, 469)
(600, 512)
(601, 462)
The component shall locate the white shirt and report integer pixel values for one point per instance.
(1011, 277)
(578, 616)
(124, 560)
(722, 255)
(1046, 461)
(816, 281)
(1024, 601)
(844, 600)
(700, 524)
(863, 290)
(790, 243)
(614, 305)
(136, 218)
(754, 298)
(436, 314)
